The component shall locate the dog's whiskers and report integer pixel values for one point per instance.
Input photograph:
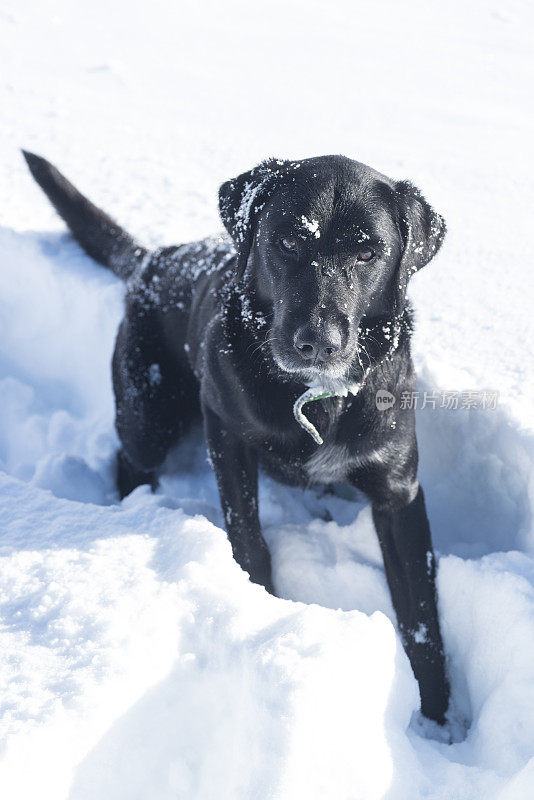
(262, 344)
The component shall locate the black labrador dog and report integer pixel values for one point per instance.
(303, 303)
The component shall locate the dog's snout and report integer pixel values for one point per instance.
(317, 345)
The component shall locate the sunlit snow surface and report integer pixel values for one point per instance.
(136, 659)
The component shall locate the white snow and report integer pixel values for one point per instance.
(136, 659)
(312, 226)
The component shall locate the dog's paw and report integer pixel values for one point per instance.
(453, 730)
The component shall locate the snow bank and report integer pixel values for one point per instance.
(136, 659)
(147, 664)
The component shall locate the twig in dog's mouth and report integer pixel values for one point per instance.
(318, 393)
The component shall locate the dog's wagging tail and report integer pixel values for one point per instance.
(99, 235)
(306, 289)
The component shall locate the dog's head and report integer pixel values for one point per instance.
(328, 245)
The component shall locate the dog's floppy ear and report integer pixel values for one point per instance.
(422, 230)
(242, 198)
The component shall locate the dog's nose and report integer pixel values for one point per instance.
(316, 345)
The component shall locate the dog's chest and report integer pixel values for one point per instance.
(330, 463)
(334, 462)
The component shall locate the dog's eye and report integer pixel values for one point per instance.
(365, 255)
(289, 243)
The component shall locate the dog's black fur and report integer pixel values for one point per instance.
(236, 328)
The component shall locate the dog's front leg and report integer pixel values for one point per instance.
(404, 535)
(236, 468)
(403, 530)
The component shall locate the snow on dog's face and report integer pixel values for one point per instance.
(327, 246)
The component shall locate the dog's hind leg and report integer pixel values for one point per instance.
(156, 398)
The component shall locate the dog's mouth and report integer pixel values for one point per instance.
(330, 374)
